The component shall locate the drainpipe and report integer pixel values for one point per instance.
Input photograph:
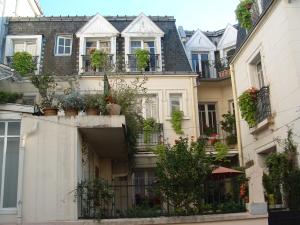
(237, 115)
(21, 170)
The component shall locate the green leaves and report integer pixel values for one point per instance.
(100, 60)
(142, 59)
(228, 125)
(243, 13)
(176, 120)
(23, 63)
(149, 127)
(9, 97)
(247, 104)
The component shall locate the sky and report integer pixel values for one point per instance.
(191, 14)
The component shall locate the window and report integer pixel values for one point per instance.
(25, 45)
(175, 102)
(151, 107)
(134, 45)
(149, 45)
(208, 118)
(9, 163)
(231, 106)
(92, 45)
(63, 45)
(260, 75)
(200, 64)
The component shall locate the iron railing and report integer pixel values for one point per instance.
(141, 201)
(153, 64)
(263, 106)
(87, 65)
(211, 69)
(10, 60)
(147, 140)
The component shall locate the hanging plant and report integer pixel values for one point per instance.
(243, 13)
(99, 60)
(142, 59)
(176, 120)
(247, 104)
(23, 63)
(149, 127)
(228, 125)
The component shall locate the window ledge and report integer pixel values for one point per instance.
(262, 125)
(8, 211)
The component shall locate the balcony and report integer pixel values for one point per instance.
(87, 67)
(211, 69)
(153, 64)
(9, 61)
(145, 142)
(263, 106)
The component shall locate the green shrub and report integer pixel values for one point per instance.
(149, 127)
(247, 104)
(142, 59)
(23, 63)
(95, 101)
(72, 100)
(100, 60)
(9, 97)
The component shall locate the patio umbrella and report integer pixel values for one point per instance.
(224, 172)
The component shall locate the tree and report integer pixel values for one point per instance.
(182, 170)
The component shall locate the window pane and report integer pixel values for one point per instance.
(18, 46)
(211, 107)
(31, 48)
(13, 128)
(67, 50)
(136, 44)
(60, 41)
(2, 128)
(11, 173)
(60, 50)
(1, 159)
(68, 42)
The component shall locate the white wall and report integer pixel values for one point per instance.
(277, 39)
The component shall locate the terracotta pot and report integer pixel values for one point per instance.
(71, 112)
(50, 111)
(92, 112)
(113, 109)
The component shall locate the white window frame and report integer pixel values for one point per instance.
(184, 102)
(142, 41)
(5, 136)
(144, 106)
(9, 51)
(25, 43)
(62, 36)
(207, 112)
(98, 41)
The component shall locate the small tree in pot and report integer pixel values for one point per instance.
(93, 103)
(72, 102)
(46, 86)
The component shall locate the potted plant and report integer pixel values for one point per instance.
(92, 104)
(99, 60)
(142, 59)
(46, 87)
(247, 104)
(149, 127)
(243, 13)
(112, 107)
(22, 62)
(228, 125)
(71, 103)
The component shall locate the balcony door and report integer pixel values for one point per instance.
(207, 118)
(200, 63)
(25, 46)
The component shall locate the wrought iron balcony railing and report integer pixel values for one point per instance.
(153, 64)
(263, 106)
(211, 69)
(87, 65)
(10, 59)
(147, 140)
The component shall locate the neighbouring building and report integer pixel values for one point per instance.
(267, 59)
(15, 8)
(43, 158)
(209, 54)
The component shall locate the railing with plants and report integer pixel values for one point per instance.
(255, 105)
(150, 64)
(23, 63)
(99, 200)
(89, 66)
(150, 135)
(10, 97)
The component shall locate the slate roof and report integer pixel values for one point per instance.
(174, 57)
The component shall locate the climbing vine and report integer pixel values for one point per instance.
(247, 104)
(176, 120)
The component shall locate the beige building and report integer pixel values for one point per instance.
(268, 59)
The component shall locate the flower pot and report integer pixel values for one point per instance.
(92, 112)
(50, 111)
(71, 112)
(113, 109)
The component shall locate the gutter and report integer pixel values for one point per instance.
(21, 170)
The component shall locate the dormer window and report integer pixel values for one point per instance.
(63, 45)
(102, 45)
